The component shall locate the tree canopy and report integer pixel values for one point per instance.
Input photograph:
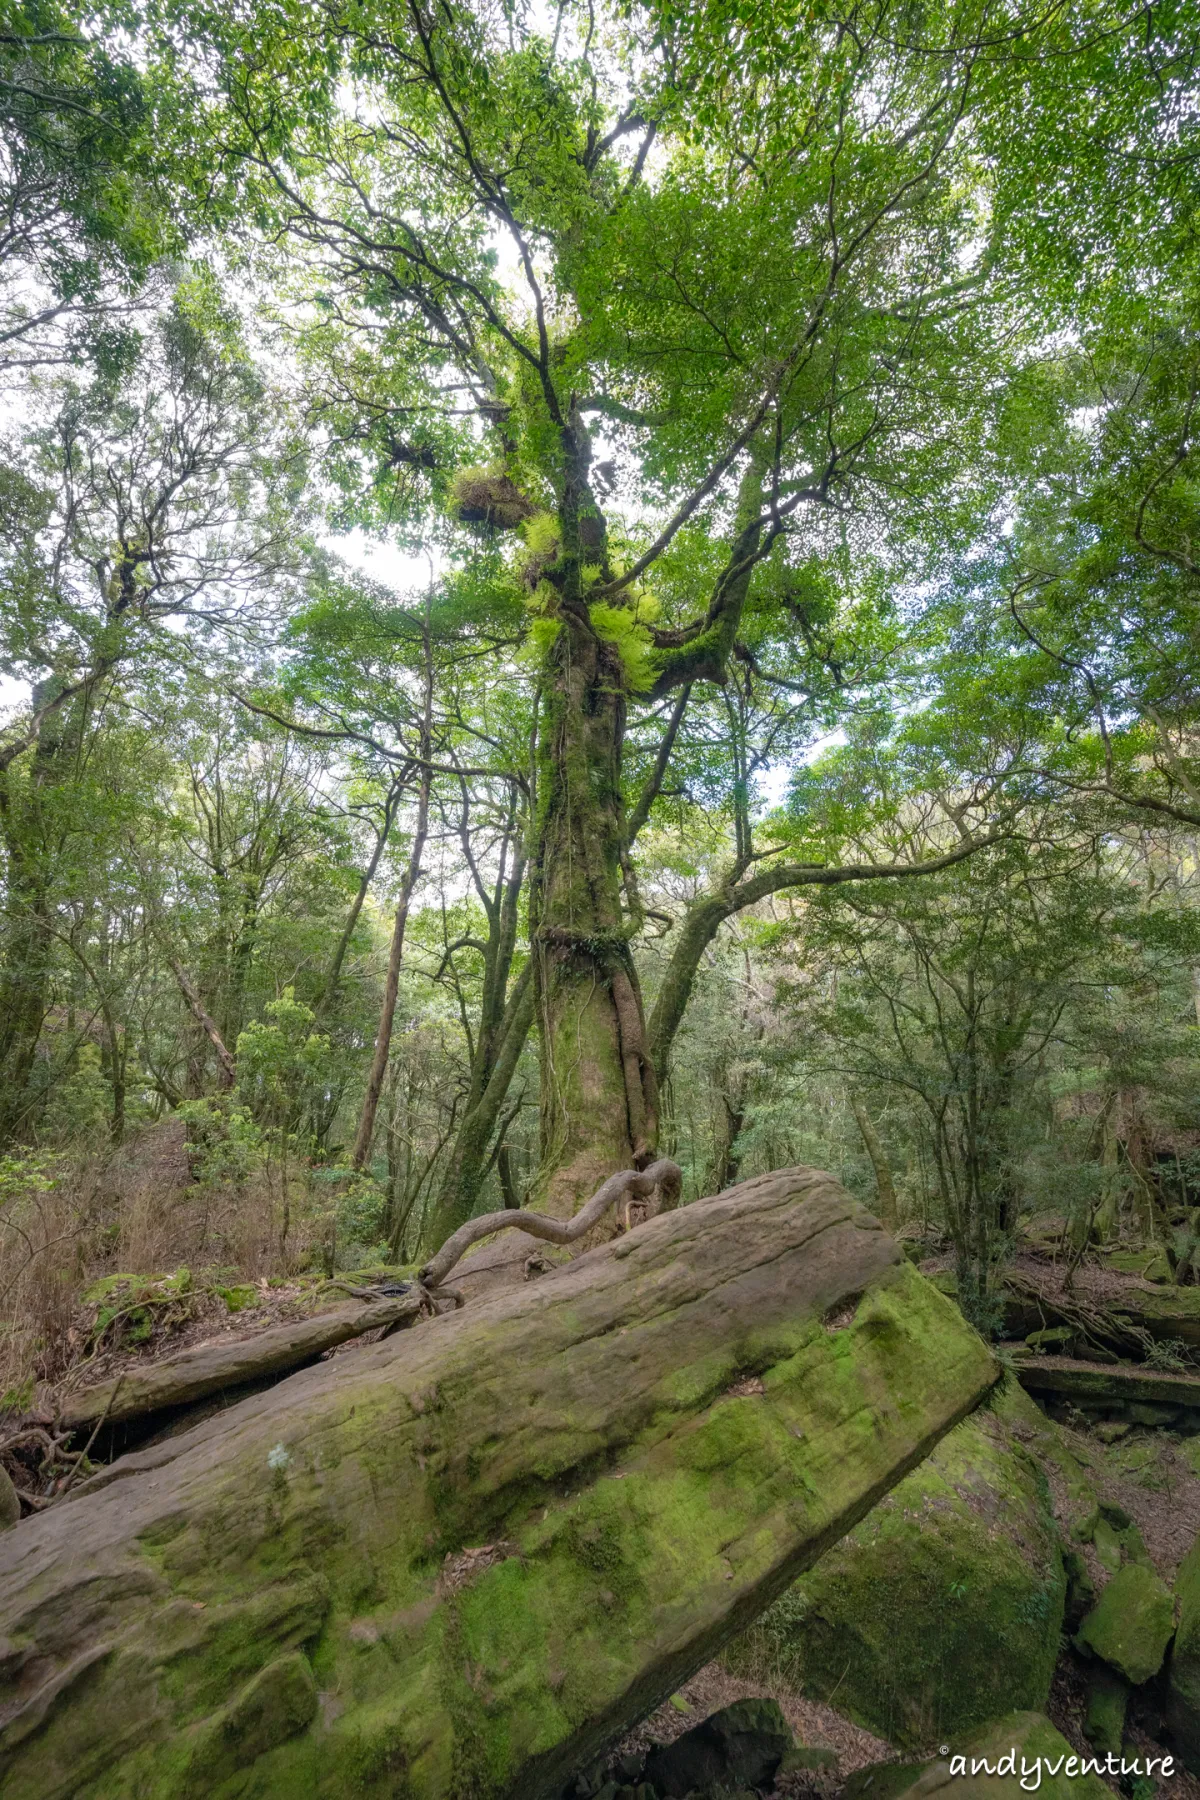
(588, 581)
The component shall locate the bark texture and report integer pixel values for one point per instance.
(460, 1562)
(599, 1099)
(885, 1187)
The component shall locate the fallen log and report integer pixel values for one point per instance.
(1106, 1383)
(1165, 1312)
(462, 1562)
(230, 1363)
(1128, 1324)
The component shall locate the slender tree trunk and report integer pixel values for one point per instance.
(460, 1184)
(505, 1016)
(730, 1115)
(334, 975)
(508, 1186)
(885, 1187)
(205, 1021)
(387, 1015)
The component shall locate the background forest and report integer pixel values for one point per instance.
(581, 583)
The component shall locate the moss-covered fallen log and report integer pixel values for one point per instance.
(1128, 1324)
(1106, 1383)
(462, 1561)
(231, 1362)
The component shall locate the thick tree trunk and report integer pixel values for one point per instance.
(29, 829)
(599, 1097)
(464, 1560)
(594, 1113)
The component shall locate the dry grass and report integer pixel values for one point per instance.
(69, 1219)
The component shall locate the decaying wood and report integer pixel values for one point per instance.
(230, 1363)
(627, 1184)
(463, 1560)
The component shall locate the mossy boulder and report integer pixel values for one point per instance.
(1013, 1748)
(10, 1505)
(1107, 1703)
(943, 1608)
(1183, 1675)
(488, 1546)
(1131, 1623)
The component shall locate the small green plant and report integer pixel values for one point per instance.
(1169, 1355)
(130, 1309)
(224, 1142)
(282, 1064)
(18, 1398)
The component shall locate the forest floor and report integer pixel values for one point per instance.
(814, 1725)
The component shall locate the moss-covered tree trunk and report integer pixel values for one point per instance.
(599, 1098)
(461, 1562)
(32, 844)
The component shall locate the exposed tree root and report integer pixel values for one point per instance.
(1104, 1328)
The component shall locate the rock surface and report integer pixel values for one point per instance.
(741, 1746)
(946, 1603)
(465, 1560)
(1107, 1703)
(1183, 1675)
(1131, 1624)
(1024, 1736)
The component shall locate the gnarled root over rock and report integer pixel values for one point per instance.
(465, 1560)
(626, 1185)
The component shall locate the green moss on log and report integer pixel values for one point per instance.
(944, 1607)
(496, 1541)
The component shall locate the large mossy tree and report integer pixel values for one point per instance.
(696, 341)
(753, 259)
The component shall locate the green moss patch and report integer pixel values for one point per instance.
(1131, 1624)
(944, 1606)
